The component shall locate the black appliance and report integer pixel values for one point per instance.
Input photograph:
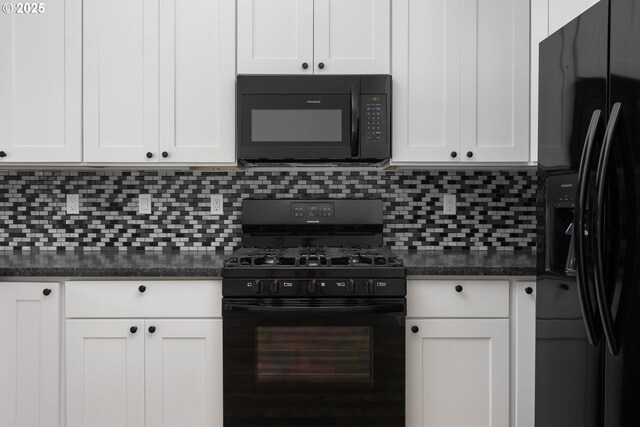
(327, 119)
(588, 293)
(313, 318)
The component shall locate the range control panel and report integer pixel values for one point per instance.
(310, 287)
(312, 210)
(373, 121)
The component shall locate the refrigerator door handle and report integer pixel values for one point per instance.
(608, 321)
(581, 231)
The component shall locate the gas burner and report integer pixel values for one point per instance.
(312, 256)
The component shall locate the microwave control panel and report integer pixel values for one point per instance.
(374, 113)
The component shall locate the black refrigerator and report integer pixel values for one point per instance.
(588, 290)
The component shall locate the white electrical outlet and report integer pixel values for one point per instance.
(216, 204)
(144, 204)
(73, 204)
(449, 204)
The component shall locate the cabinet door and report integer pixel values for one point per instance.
(275, 36)
(458, 373)
(197, 81)
(105, 373)
(184, 373)
(523, 333)
(426, 80)
(120, 80)
(40, 83)
(495, 81)
(29, 355)
(352, 36)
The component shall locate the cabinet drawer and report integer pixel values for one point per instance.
(143, 299)
(458, 298)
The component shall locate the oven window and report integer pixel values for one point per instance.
(314, 354)
(316, 125)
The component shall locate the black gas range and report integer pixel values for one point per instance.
(313, 318)
(314, 272)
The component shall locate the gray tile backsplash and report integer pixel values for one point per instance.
(495, 209)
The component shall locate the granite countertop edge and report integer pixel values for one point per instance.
(209, 264)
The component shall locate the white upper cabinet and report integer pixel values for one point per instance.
(40, 83)
(159, 81)
(120, 80)
(197, 81)
(426, 80)
(307, 36)
(547, 17)
(461, 81)
(352, 36)
(275, 36)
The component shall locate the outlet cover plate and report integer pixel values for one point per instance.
(73, 204)
(216, 204)
(449, 204)
(144, 204)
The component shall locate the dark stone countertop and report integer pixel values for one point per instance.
(209, 264)
(469, 263)
(111, 264)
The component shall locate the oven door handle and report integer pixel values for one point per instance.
(376, 308)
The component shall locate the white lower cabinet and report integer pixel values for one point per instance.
(29, 354)
(470, 353)
(183, 365)
(143, 372)
(458, 372)
(105, 373)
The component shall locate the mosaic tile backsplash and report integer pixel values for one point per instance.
(495, 210)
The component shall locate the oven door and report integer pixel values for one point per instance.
(297, 127)
(314, 363)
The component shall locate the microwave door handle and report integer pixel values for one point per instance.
(355, 120)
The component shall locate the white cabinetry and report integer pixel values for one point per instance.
(547, 17)
(40, 83)
(152, 372)
(159, 81)
(275, 36)
(307, 36)
(523, 333)
(458, 370)
(105, 373)
(29, 354)
(183, 365)
(461, 81)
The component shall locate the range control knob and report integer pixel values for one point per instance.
(369, 286)
(313, 286)
(257, 286)
(275, 286)
(351, 286)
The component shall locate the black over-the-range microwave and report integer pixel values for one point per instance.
(341, 119)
